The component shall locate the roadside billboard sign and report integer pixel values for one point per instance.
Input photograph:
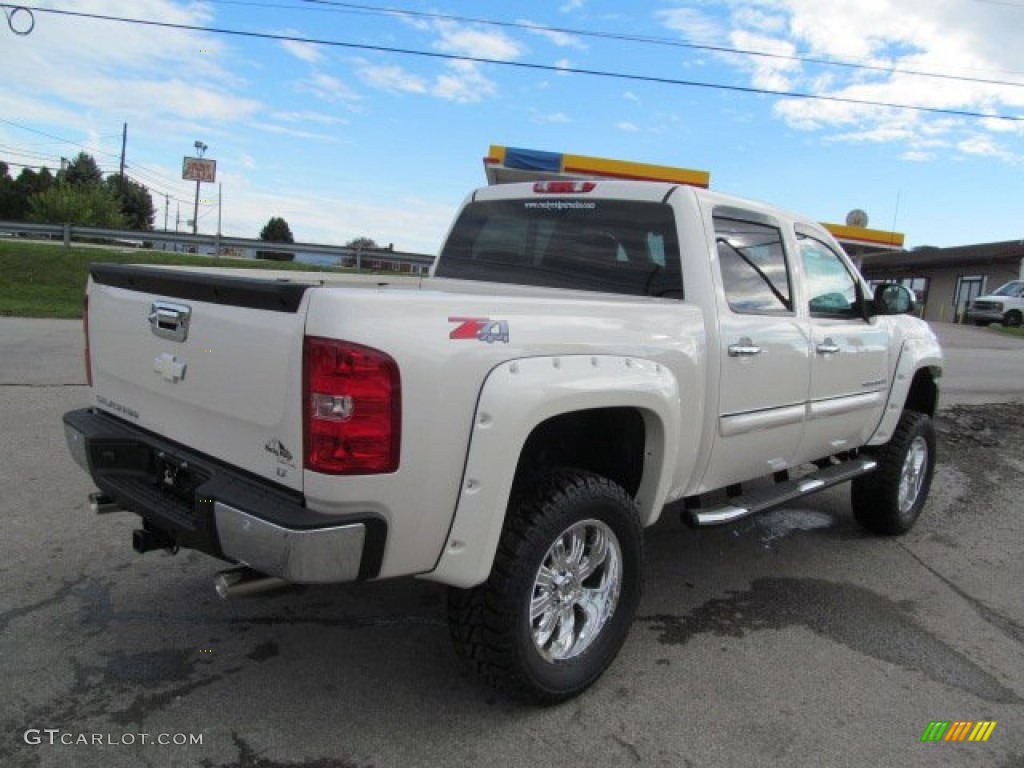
(199, 169)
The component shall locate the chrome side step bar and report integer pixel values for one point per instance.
(101, 504)
(778, 494)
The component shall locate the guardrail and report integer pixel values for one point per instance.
(360, 258)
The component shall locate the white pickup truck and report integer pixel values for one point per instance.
(584, 353)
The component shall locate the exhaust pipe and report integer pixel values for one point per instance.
(101, 504)
(245, 582)
(146, 540)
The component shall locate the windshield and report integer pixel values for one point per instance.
(1014, 289)
(615, 246)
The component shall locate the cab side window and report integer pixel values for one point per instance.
(752, 259)
(831, 289)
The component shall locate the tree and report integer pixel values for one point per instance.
(82, 171)
(8, 198)
(276, 231)
(15, 193)
(88, 206)
(135, 200)
(362, 243)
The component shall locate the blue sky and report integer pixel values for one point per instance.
(345, 141)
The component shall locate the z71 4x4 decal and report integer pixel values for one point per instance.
(479, 329)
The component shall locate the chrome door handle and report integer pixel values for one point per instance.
(745, 348)
(828, 347)
(169, 321)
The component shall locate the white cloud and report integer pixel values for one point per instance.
(985, 146)
(550, 118)
(463, 83)
(974, 40)
(295, 133)
(571, 5)
(770, 73)
(627, 126)
(307, 52)
(307, 116)
(391, 77)
(476, 42)
(554, 36)
(692, 24)
(328, 88)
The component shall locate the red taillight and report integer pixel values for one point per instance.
(85, 332)
(563, 187)
(353, 408)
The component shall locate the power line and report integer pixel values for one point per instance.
(57, 138)
(534, 66)
(136, 168)
(650, 40)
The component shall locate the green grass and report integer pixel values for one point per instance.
(48, 280)
(1010, 331)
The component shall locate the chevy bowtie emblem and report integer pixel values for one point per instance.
(168, 366)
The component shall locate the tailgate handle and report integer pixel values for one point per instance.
(169, 321)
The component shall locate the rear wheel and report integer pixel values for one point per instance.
(889, 500)
(563, 591)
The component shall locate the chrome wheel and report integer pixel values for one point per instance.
(913, 473)
(575, 590)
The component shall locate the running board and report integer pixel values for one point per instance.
(780, 493)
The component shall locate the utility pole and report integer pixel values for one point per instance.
(124, 145)
(220, 209)
(200, 149)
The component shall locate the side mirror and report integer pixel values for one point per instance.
(893, 299)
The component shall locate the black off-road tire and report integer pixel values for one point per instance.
(890, 499)
(491, 625)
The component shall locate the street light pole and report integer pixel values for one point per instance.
(200, 149)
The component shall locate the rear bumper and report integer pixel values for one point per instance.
(202, 504)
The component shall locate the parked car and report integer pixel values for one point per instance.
(1004, 305)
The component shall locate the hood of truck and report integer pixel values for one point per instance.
(208, 360)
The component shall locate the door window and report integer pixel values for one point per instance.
(752, 259)
(831, 289)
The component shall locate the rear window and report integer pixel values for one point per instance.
(614, 246)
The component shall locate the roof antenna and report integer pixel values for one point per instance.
(896, 213)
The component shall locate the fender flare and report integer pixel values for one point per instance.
(515, 399)
(915, 354)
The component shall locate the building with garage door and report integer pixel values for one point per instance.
(945, 280)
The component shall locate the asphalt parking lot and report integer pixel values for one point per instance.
(790, 639)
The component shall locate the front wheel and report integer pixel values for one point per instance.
(889, 500)
(563, 591)
(1012, 319)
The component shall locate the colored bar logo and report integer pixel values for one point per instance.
(958, 730)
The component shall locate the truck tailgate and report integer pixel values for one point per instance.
(209, 360)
